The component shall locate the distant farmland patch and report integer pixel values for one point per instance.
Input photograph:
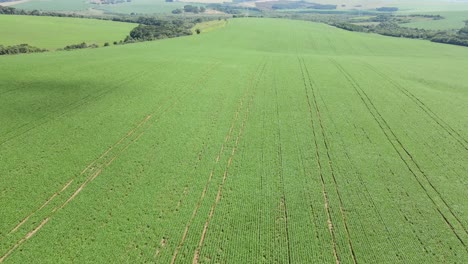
(54, 32)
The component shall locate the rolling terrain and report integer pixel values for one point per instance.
(266, 141)
(134, 6)
(58, 32)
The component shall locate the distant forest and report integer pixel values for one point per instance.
(391, 28)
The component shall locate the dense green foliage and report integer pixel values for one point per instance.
(18, 49)
(6, 10)
(160, 30)
(82, 45)
(192, 9)
(189, 9)
(233, 9)
(267, 141)
(394, 30)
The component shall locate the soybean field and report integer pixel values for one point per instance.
(264, 141)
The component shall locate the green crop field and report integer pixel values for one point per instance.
(142, 7)
(266, 141)
(54, 5)
(452, 20)
(403, 5)
(135, 6)
(56, 32)
(209, 26)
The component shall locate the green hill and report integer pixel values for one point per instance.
(127, 7)
(57, 32)
(267, 141)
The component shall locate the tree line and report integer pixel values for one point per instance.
(18, 49)
(7, 10)
(189, 9)
(392, 29)
(159, 29)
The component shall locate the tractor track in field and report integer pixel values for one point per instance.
(24, 239)
(9, 91)
(374, 206)
(90, 170)
(367, 194)
(70, 181)
(41, 207)
(280, 171)
(95, 168)
(214, 120)
(211, 174)
(96, 161)
(261, 210)
(313, 87)
(322, 179)
(439, 121)
(64, 187)
(363, 185)
(63, 111)
(252, 91)
(304, 170)
(214, 117)
(389, 134)
(19, 131)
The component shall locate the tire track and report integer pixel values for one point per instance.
(24, 239)
(312, 209)
(214, 119)
(90, 167)
(211, 174)
(165, 239)
(389, 134)
(95, 168)
(67, 109)
(185, 192)
(367, 193)
(280, 171)
(262, 176)
(19, 131)
(9, 91)
(364, 186)
(90, 170)
(313, 88)
(438, 120)
(41, 207)
(105, 154)
(196, 255)
(322, 179)
(369, 197)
